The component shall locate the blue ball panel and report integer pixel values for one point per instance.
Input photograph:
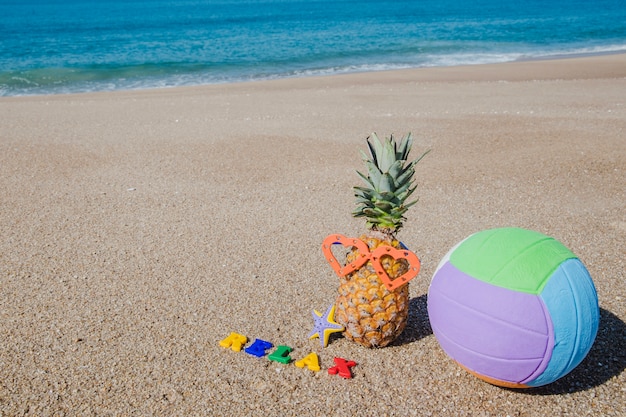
(571, 299)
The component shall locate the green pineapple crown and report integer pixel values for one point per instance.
(389, 179)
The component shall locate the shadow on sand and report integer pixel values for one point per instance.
(418, 325)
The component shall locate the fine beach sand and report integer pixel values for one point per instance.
(140, 228)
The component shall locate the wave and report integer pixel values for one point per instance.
(93, 78)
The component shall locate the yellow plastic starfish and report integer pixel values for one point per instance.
(325, 325)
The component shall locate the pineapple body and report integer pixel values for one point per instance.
(372, 315)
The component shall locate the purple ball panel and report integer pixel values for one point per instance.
(520, 309)
(507, 370)
(496, 332)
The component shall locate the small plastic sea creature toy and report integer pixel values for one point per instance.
(342, 367)
(325, 325)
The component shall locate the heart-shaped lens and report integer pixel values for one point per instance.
(340, 269)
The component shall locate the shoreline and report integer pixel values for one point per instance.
(605, 58)
(140, 228)
(573, 55)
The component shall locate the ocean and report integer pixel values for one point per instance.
(68, 46)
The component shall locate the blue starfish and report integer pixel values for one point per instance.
(325, 325)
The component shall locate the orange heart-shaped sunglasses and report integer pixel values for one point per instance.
(374, 257)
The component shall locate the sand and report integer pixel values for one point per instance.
(140, 228)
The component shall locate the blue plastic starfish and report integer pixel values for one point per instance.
(325, 325)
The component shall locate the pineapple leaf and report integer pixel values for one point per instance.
(374, 173)
(404, 147)
(362, 192)
(388, 155)
(385, 183)
(365, 202)
(367, 180)
(420, 157)
(396, 169)
(404, 192)
(384, 206)
(375, 148)
(407, 205)
(405, 176)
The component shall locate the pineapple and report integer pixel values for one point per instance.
(372, 315)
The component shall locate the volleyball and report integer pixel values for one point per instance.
(514, 307)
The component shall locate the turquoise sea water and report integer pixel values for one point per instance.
(62, 46)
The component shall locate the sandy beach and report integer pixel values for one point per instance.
(140, 228)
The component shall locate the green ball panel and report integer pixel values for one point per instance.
(513, 258)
